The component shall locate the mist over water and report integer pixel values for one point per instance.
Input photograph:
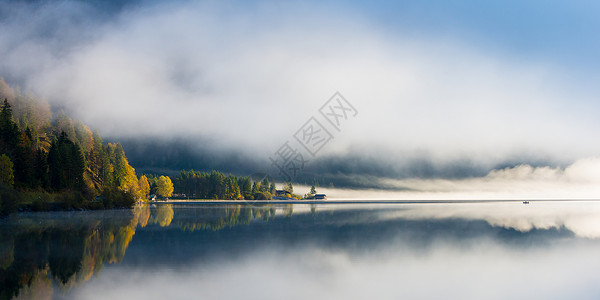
(447, 271)
(387, 251)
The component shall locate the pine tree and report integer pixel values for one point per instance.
(264, 185)
(41, 169)
(255, 187)
(233, 190)
(24, 161)
(6, 170)
(65, 165)
(9, 132)
(245, 185)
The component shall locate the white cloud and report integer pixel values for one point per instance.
(248, 79)
(580, 180)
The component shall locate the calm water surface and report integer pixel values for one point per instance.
(544, 250)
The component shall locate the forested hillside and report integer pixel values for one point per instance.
(49, 159)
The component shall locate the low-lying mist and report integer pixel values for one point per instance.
(580, 180)
(481, 273)
(373, 251)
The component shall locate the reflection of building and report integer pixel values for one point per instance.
(320, 197)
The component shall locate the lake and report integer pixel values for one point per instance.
(543, 250)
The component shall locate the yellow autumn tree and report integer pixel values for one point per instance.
(144, 187)
(163, 215)
(164, 186)
(124, 173)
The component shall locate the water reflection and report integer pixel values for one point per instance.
(213, 218)
(41, 252)
(52, 255)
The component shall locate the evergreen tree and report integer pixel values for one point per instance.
(232, 188)
(216, 186)
(9, 132)
(6, 170)
(255, 187)
(264, 185)
(25, 161)
(245, 185)
(288, 187)
(41, 169)
(65, 165)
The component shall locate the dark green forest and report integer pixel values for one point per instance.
(216, 185)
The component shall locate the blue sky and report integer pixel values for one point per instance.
(561, 31)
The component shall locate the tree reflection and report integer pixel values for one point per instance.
(41, 252)
(163, 215)
(225, 216)
(62, 247)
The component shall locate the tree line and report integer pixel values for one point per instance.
(216, 185)
(52, 161)
(46, 159)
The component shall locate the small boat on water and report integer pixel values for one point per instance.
(525, 202)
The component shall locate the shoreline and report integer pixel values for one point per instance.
(251, 202)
